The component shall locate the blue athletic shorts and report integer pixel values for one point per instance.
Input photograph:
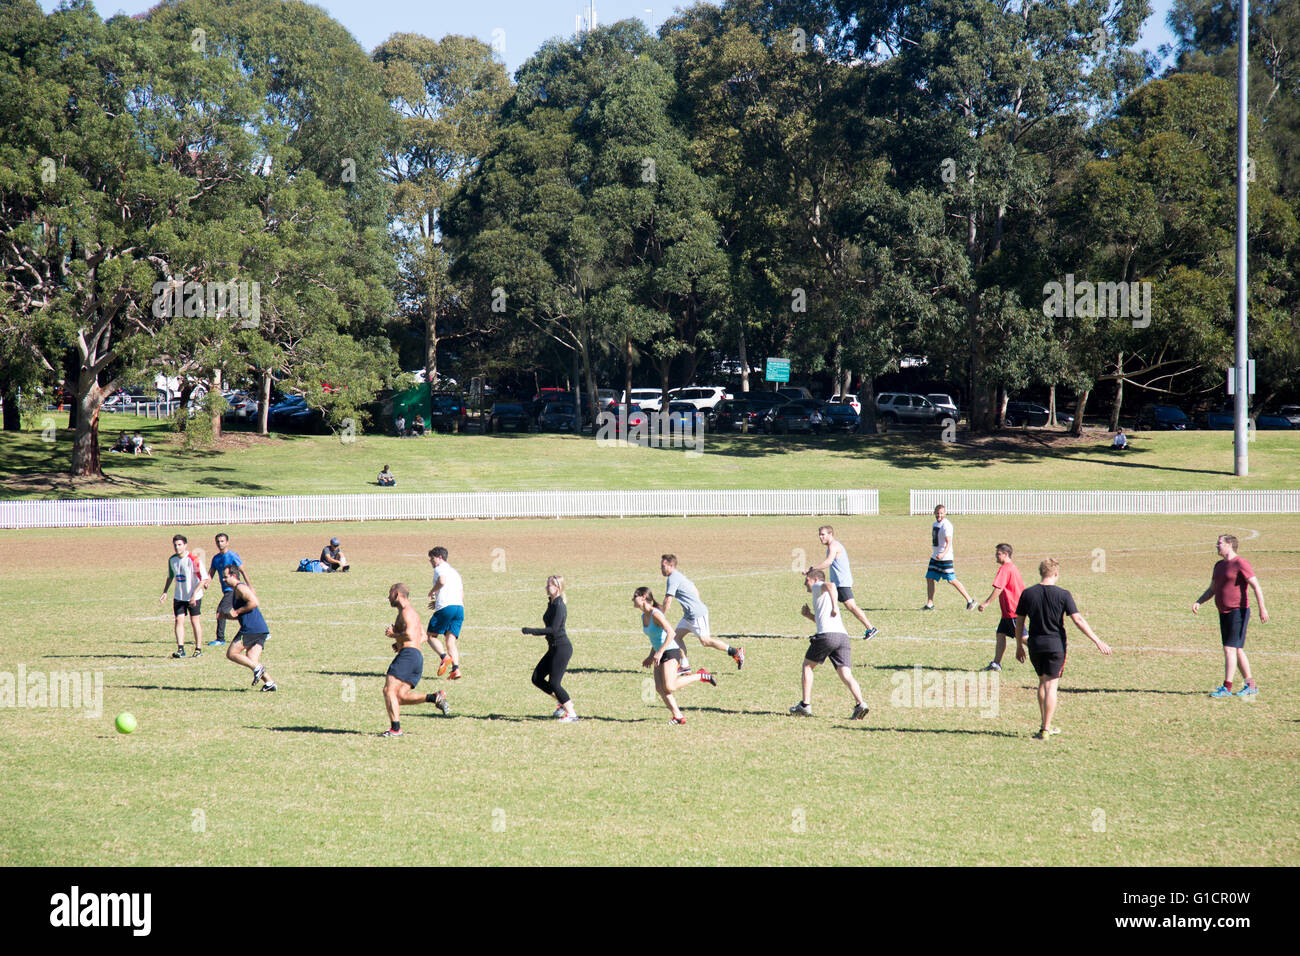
(940, 571)
(448, 620)
(1232, 626)
(407, 666)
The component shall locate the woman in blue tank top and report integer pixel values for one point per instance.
(246, 648)
(665, 653)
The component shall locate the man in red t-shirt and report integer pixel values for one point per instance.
(1231, 576)
(1007, 586)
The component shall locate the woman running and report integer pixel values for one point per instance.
(664, 653)
(550, 669)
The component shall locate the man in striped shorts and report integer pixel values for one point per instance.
(941, 561)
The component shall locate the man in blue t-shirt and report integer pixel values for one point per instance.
(225, 558)
(695, 616)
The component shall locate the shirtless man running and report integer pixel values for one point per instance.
(408, 666)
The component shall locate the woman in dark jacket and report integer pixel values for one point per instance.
(550, 669)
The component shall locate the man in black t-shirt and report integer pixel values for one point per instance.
(1045, 606)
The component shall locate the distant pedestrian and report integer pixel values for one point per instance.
(1044, 606)
(549, 671)
(1007, 586)
(1229, 580)
(941, 560)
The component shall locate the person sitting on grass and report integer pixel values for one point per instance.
(138, 445)
(418, 427)
(332, 556)
(387, 478)
(1121, 442)
(122, 444)
(400, 426)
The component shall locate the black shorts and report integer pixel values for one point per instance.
(407, 666)
(1232, 626)
(1049, 664)
(845, 593)
(834, 645)
(181, 608)
(1007, 627)
(251, 640)
(672, 655)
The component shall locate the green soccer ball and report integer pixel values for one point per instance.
(125, 723)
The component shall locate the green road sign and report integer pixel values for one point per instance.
(778, 370)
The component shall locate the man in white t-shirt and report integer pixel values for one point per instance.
(447, 601)
(941, 560)
(189, 574)
(831, 640)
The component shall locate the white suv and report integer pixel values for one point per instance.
(647, 398)
(703, 397)
(847, 399)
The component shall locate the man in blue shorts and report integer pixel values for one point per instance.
(448, 606)
(408, 666)
(941, 560)
(225, 558)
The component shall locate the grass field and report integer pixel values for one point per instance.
(245, 464)
(1149, 769)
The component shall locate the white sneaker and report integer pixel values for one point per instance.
(568, 719)
(559, 712)
(993, 666)
(801, 710)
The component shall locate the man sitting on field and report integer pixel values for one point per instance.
(332, 556)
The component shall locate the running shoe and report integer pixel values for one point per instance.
(928, 607)
(739, 658)
(269, 686)
(258, 671)
(993, 666)
(680, 721)
(393, 733)
(1053, 731)
(569, 719)
(559, 712)
(455, 673)
(801, 710)
(1039, 735)
(1220, 692)
(869, 633)
(218, 642)
(1248, 691)
(970, 605)
(859, 711)
(440, 701)
(442, 667)
(198, 652)
(708, 678)
(179, 652)
(683, 666)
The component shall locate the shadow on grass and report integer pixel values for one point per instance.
(1126, 690)
(925, 667)
(606, 670)
(354, 674)
(317, 730)
(722, 710)
(532, 718)
(935, 730)
(135, 657)
(188, 690)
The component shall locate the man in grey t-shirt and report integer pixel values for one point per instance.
(695, 616)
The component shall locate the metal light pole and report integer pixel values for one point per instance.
(1240, 396)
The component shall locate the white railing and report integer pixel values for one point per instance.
(969, 502)
(400, 506)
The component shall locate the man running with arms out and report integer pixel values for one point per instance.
(448, 606)
(1046, 605)
(831, 640)
(246, 646)
(941, 566)
(836, 564)
(1231, 576)
(187, 571)
(224, 558)
(1007, 586)
(408, 666)
(695, 616)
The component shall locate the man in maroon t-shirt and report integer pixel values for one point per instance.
(1007, 586)
(1231, 576)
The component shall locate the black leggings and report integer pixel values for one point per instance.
(550, 670)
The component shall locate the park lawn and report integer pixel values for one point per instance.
(1146, 772)
(246, 464)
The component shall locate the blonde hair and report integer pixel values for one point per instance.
(558, 581)
(1048, 567)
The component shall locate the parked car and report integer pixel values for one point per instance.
(735, 414)
(701, 396)
(840, 417)
(1027, 413)
(1216, 420)
(947, 407)
(447, 412)
(847, 399)
(557, 417)
(796, 417)
(906, 408)
(698, 417)
(647, 398)
(509, 417)
(1291, 413)
(794, 392)
(1267, 423)
(242, 406)
(282, 410)
(1163, 417)
(613, 418)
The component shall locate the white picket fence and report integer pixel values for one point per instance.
(380, 506)
(969, 502)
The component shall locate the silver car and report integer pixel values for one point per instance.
(906, 408)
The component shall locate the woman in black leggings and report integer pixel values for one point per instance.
(550, 669)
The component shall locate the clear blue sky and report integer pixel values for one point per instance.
(523, 24)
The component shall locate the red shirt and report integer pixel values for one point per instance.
(1231, 581)
(1011, 583)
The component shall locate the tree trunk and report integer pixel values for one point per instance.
(264, 404)
(1077, 428)
(12, 417)
(1119, 393)
(85, 448)
(1051, 404)
(999, 405)
(577, 397)
(867, 397)
(430, 342)
(627, 372)
(744, 360)
(214, 403)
